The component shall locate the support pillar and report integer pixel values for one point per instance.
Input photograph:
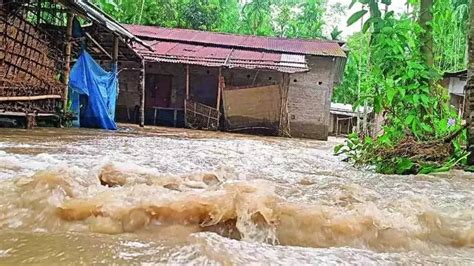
(30, 121)
(219, 90)
(142, 95)
(187, 82)
(67, 66)
(284, 126)
(115, 51)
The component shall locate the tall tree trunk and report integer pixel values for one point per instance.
(469, 93)
(426, 16)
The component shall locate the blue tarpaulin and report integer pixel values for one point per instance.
(93, 93)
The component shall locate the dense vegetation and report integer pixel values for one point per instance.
(393, 68)
(282, 18)
(394, 65)
(450, 28)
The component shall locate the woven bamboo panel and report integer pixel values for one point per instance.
(201, 116)
(28, 67)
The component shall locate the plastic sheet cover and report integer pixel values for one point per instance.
(94, 93)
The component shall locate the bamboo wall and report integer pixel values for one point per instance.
(28, 67)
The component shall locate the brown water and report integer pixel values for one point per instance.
(160, 195)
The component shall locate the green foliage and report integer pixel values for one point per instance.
(293, 19)
(356, 16)
(257, 19)
(356, 70)
(450, 31)
(335, 33)
(200, 15)
(399, 84)
(310, 21)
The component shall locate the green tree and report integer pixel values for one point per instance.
(310, 23)
(356, 70)
(228, 16)
(401, 84)
(257, 19)
(284, 21)
(450, 34)
(200, 15)
(425, 20)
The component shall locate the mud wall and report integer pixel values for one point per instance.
(309, 98)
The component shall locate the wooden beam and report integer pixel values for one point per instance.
(29, 98)
(142, 95)
(187, 82)
(129, 69)
(96, 43)
(22, 114)
(67, 67)
(115, 50)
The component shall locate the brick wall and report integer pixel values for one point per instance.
(309, 98)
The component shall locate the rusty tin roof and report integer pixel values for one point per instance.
(214, 56)
(294, 46)
(229, 50)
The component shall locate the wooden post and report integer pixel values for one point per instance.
(219, 91)
(186, 98)
(284, 126)
(187, 82)
(220, 84)
(67, 67)
(142, 94)
(115, 51)
(30, 121)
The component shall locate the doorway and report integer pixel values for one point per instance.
(158, 91)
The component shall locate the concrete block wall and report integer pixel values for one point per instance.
(309, 98)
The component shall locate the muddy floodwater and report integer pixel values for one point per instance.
(177, 196)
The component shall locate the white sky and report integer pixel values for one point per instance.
(341, 21)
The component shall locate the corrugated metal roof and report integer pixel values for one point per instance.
(296, 46)
(346, 109)
(96, 15)
(213, 56)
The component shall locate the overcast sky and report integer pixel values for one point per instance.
(341, 20)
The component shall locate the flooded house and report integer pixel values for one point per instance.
(455, 82)
(343, 119)
(175, 77)
(40, 41)
(236, 83)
